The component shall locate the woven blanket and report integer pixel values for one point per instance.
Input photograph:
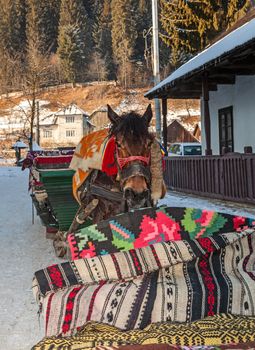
(151, 225)
(216, 330)
(239, 346)
(94, 151)
(177, 281)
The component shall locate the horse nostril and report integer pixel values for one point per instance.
(129, 193)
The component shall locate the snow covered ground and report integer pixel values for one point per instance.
(24, 249)
(176, 199)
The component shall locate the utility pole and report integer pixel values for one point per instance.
(37, 123)
(156, 63)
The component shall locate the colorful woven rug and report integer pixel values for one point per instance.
(94, 151)
(177, 281)
(212, 331)
(151, 225)
(240, 346)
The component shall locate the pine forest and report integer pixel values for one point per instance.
(48, 42)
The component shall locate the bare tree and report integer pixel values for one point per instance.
(29, 74)
(35, 76)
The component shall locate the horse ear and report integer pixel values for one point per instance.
(113, 116)
(148, 114)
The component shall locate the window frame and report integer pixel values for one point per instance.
(190, 147)
(71, 133)
(46, 132)
(225, 112)
(69, 119)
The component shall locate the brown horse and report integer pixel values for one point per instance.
(138, 181)
(135, 179)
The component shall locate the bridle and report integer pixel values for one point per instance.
(126, 168)
(124, 161)
(129, 167)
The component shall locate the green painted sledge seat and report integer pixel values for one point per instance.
(58, 184)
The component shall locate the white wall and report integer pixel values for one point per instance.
(242, 97)
(59, 131)
(63, 127)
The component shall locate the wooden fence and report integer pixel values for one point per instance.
(229, 177)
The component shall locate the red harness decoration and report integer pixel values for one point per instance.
(123, 161)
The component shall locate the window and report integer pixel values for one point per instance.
(47, 134)
(70, 133)
(70, 119)
(226, 129)
(176, 149)
(192, 150)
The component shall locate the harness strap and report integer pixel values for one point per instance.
(105, 193)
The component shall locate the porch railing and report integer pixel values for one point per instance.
(229, 177)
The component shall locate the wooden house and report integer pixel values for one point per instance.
(99, 118)
(176, 132)
(223, 78)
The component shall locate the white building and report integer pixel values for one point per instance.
(65, 127)
(232, 114)
(223, 77)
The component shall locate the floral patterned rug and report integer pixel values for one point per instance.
(148, 226)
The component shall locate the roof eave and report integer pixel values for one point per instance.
(167, 90)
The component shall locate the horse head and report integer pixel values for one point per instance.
(133, 155)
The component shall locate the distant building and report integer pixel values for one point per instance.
(65, 127)
(176, 132)
(99, 118)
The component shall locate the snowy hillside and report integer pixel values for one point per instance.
(14, 114)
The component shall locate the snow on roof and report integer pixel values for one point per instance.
(99, 109)
(237, 38)
(71, 109)
(48, 120)
(20, 144)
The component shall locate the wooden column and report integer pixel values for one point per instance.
(207, 120)
(164, 113)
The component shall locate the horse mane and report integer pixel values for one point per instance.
(131, 124)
